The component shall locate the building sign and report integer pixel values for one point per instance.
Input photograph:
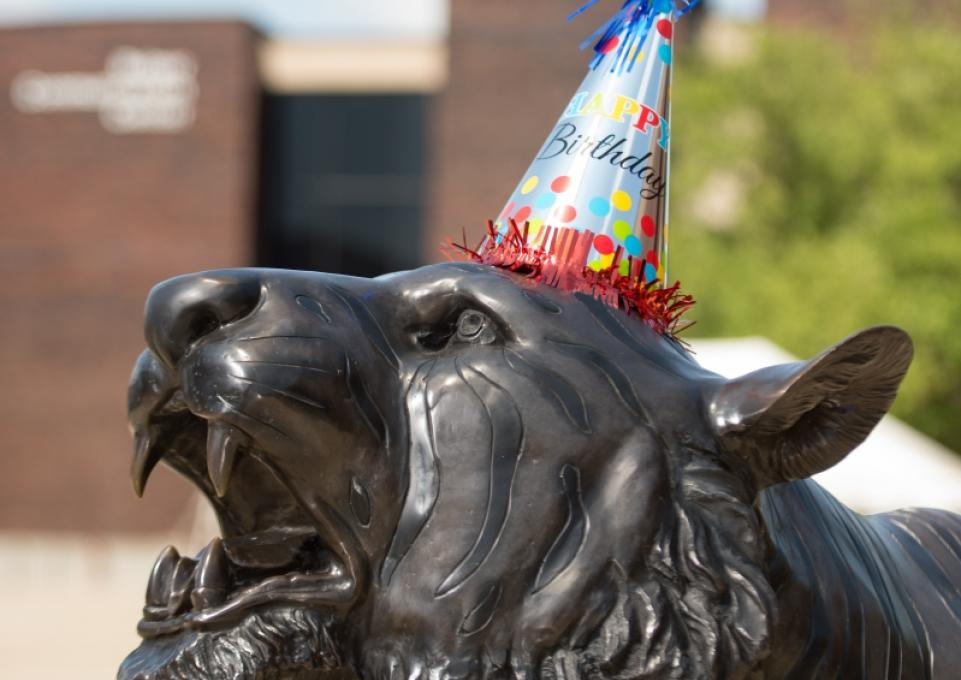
(140, 90)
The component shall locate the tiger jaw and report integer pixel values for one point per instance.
(304, 561)
(187, 594)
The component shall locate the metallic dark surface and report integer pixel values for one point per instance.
(454, 473)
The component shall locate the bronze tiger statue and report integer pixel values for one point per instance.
(456, 472)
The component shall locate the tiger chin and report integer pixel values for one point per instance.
(457, 472)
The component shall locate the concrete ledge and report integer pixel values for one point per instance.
(352, 67)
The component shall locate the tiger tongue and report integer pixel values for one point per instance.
(223, 444)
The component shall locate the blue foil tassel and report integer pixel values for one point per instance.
(630, 26)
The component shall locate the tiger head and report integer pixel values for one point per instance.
(458, 472)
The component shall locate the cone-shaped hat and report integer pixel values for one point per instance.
(591, 212)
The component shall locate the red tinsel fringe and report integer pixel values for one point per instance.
(558, 256)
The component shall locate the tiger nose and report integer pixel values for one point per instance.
(182, 310)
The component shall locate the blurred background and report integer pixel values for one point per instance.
(816, 190)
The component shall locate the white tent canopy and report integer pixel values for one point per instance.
(895, 467)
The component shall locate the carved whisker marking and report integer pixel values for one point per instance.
(236, 411)
(283, 337)
(609, 320)
(372, 330)
(313, 306)
(289, 395)
(568, 400)
(422, 477)
(483, 612)
(359, 500)
(571, 538)
(542, 302)
(278, 364)
(360, 396)
(507, 437)
(617, 379)
(609, 324)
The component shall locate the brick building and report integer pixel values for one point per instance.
(135, 152)
(128, 156)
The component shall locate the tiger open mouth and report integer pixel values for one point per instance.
(277, 547)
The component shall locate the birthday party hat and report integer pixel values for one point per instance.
(591, 212)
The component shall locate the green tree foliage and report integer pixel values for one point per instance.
(816, 189)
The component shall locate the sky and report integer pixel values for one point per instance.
(282, 18)
(415, 19)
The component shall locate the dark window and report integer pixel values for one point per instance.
(342, 182)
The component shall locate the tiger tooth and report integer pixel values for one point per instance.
(210, 577)
(181, 583)
(223, 442)
(145, 458)
(212, 569)
(158, 587)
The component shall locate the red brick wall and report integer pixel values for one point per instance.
(89, 221)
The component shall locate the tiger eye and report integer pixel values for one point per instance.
(471, 323)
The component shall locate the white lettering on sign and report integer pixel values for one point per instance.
(139, 90)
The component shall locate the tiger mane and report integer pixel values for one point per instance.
(700, 605)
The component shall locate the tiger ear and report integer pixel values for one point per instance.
(794, 420)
